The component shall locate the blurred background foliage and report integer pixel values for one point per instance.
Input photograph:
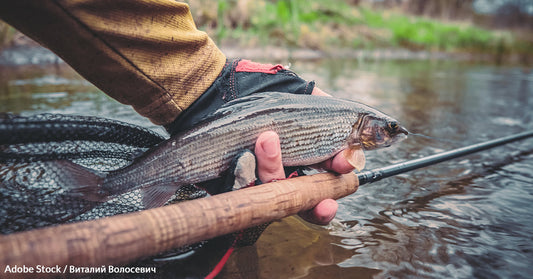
(479, 27)
(493, 27)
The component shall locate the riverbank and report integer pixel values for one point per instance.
(282, 30)
(282, 54)
(333, 27)
(26, 55)
(33, 54)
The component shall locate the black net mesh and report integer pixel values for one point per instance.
(46, 137)
(30, 194)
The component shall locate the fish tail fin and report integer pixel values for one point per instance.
(80, 181)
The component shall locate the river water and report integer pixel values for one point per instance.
(467, 218)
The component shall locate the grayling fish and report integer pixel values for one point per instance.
(311, 129)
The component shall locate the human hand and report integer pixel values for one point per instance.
(269, 167)
(338, 163)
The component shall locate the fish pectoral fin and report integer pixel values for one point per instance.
(356, 157)
(157, 195)
(243, 170)
(240, 174)
(78, 180)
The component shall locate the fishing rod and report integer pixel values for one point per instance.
(388, 171)
(124, 238)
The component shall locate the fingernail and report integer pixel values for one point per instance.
(271, 146)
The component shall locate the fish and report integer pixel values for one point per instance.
(311, 129)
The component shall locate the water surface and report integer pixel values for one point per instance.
(466, 218)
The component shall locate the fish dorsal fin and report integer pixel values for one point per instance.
(243, 106)
(251, 101)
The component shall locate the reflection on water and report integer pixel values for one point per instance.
(56, 88)
(464, 218)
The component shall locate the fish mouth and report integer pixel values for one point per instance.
(403, 130)
(401, 134)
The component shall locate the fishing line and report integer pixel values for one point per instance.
(433, 138)
(388, 171)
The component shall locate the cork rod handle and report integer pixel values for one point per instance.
(124, 238)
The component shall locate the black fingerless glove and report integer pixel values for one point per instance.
(240, 78)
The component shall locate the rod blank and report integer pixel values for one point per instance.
(380, 173)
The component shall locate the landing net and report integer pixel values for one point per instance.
(30, 148)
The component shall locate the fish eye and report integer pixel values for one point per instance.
(393, 125)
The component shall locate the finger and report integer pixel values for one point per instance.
(319, 92)
(338, 164)
(321, 214)
(326, 210)
(268, 153)
(269, 167)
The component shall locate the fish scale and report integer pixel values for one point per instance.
(311, 129)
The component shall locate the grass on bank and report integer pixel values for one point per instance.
(330, 24)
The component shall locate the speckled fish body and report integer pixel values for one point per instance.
(311, 129)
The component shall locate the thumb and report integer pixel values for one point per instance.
(268, 154)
